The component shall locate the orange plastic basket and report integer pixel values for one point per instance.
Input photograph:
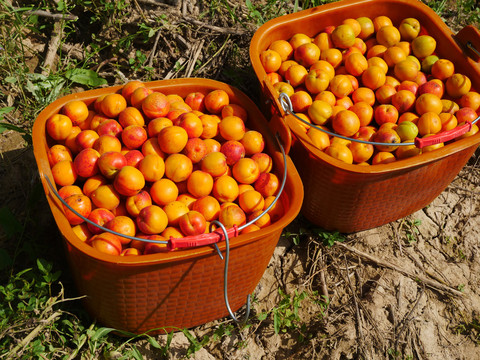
(177, 289)
(350, 198)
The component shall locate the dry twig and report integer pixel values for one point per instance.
(357, 311)
(48, 14)
(428, 282)
(53, 46)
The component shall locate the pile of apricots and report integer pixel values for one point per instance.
(373, 80)
(153, 166)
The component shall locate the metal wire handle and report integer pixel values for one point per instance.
(225, 275)
(287, 106)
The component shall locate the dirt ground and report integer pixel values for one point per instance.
(405, 290)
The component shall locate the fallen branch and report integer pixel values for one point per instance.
(33, 334)
(361, 339)
(48, 14)
(53, 46)
(193, 60)
(428, 282)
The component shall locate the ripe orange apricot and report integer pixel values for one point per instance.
(333, 56)
(152, 219)
(208, 206)
(232, 128)
(253, 142)
(471, 99)
(232, 215)
(381, 21)
(340, 152)
(458, 85)
(361, 152)
(388, 36)
(129, 181)
(138, 95)
(214, 163)
(152, 167)
(163, 191)
(225, 189)
(210, 126)
(76, 110)
(366, 27)
(59, 126)
(343, 36)
(250, 201)
(301, 101)
(356, 64)
(215, 100)
(178, 167)
(298, 39)
(64, 173)
(364, 111)
(306, 54)
(319, 138)
(373, 77)
(129, 88)
(341, 86)
(137, 202)
(295, 74)
(105, 196)
(428, 103)
(200, 183)
(246, 171)
(283, 48)
(271, 60)
(346, 123)
(383, 157)
(323, 40)
(58, 152)
(113, 104)
(172, 139)
(81, 204)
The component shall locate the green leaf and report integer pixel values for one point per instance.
(6, 110)
(101, 332)
(44, 266)
(276, 322)
(153, 342)
(262, 316)
(6, 126)
(136, 354)
(85, 77)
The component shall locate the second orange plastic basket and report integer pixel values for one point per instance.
(177, 289)
(350, 198)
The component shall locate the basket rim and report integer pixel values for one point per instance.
(397, 166)
(293, 187)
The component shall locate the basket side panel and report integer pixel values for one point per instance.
(348, 202)
(171, 296)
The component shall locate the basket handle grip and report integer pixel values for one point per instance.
(201, 240)
(444, 136)
(468, 39)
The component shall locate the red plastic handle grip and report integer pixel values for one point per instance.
(200, 240)
(444, 136)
